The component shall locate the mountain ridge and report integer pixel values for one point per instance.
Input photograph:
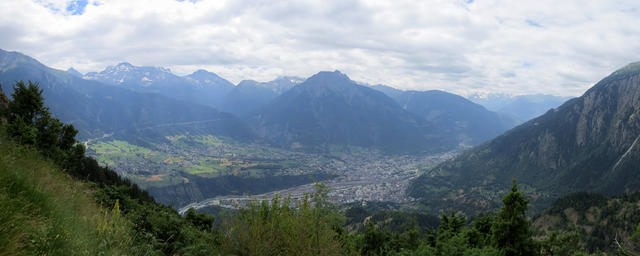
(249, 95)
(330, 108)
(97, 109)
(589, 143)
(202, 87)
(470, 122)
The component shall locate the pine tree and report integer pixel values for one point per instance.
(510, 230)
(27, 102)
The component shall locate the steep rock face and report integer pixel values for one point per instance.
(329, 108)
(589, 143)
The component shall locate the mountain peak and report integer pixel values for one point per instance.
(629, 69)
(327, 79)
(330, 74)
(124, 65)
(204, 74)
(201, 72)
(11, 58)
(244, 83)
(74, 72)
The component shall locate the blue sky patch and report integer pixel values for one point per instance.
(533, 23)
(76, 7)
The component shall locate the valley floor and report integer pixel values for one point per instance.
(365, 177)
(359, 175)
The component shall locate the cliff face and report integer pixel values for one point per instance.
(587, 144)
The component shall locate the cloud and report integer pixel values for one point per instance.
(461, 46)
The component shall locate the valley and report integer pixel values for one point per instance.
(351, 128)
(354, 174)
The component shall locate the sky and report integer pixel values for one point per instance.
(461, 46)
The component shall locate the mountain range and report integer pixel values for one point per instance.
(201, 87)
(146, 103)
(330, 108)
(97, 109)
(589, 143)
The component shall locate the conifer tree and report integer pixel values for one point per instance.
(510, 230)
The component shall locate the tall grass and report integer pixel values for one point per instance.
(43, 211)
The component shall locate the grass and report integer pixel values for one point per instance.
(169, 164)
(114, 151)
(43, 211)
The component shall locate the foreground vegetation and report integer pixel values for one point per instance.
(56, 201)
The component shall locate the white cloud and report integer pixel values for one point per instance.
(557, 47)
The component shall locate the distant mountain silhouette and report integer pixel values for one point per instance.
(248, 96)
(525, 107)
(468, 122)
(521, 108)
(201, 87)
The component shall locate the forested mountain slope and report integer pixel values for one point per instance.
(596, 220)
(589, 143)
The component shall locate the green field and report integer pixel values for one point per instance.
(206, 156)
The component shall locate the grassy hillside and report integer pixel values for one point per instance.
(45, 211)
(56, 201)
